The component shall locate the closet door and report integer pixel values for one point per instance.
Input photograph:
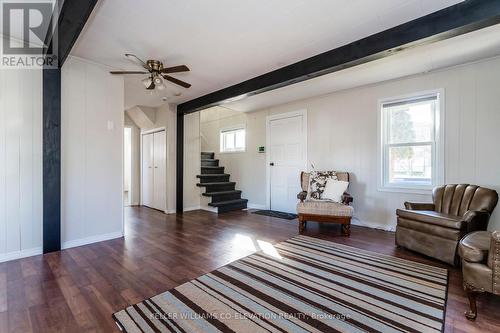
(147, 170)
(159, 189)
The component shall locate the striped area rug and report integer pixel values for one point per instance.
(305, 285)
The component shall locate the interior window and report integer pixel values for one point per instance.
(409, 142)
(232, 140)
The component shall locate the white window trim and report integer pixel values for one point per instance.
(233, 128)
(439, 157)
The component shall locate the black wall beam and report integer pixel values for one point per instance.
(449, 22)
(71, 20)
(180, 165)
(51, 160)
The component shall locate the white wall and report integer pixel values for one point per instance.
(247, 168)
(192, 161)
(20, 163)
(342, 135)
(92, 152)
(135, 170)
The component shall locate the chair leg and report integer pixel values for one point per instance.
(471, 314)
(302, 224)
(346, 228)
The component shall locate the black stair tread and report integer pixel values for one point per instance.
(213, 175)
(215, 184)
(207, 152)
(208, 159)
(229, 202)
(211, 167)
(210, 194)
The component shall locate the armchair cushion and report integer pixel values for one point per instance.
(334, 190)
(304, 178)
(432, 217)
(317, 183)
(314, 207)
(475, 246)
(428, 229)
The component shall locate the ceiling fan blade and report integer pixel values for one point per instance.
(176, 81)
(137, 60)
(128, 72)
(175, 69)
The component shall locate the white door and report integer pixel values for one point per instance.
(147, 170)
(159, 173)
(287, 157)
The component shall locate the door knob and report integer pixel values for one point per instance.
(156, 167)
(271, 164)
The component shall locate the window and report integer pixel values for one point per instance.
(410, 142)
(232, 140)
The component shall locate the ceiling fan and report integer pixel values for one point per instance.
(156, 73)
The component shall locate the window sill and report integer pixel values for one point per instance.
(408, 190)
(232, 152)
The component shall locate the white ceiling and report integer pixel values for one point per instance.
(463, 49)
(225, 42)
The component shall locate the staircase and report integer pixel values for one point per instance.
(217, 186)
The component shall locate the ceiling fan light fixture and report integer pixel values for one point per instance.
(147, 82)
(158, 80)
(160, 86)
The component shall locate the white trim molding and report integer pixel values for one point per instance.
(91, 240)
(20, 254)
(188, 209)
(256, 206)
(373, 225)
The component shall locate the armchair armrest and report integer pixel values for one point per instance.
(347, 198)
(476, 220)
(494, 260)
(302, 196)
(419, 206)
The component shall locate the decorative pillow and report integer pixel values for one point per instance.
(317, 183)
(334, 190)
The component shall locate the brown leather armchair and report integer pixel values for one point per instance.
(480, 253)
(434, 229)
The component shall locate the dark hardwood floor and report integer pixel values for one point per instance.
(77, 290)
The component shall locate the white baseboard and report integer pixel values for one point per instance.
(255, 206)
(188, 209)
(91, 239)
(20, 254)
(373, 225)
(209, 209)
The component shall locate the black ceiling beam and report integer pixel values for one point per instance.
(71, 18)
(449, 22)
